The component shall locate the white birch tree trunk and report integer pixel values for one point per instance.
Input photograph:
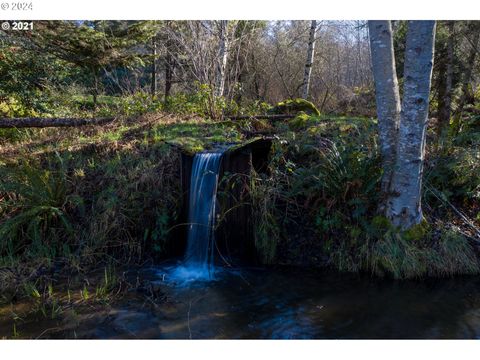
(309, 63)
(387, 98)
(222, 58)
(404, 205)
(153, 85)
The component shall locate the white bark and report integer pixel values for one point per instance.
(223, 48)
(154, 67)
(309, 63)
(404, 205)
(387, 97)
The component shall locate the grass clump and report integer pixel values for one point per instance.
(445, 253)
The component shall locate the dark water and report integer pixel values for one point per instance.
(296, 304)
(293, 304)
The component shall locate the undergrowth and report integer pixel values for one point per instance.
(84, 205)
(323, 183)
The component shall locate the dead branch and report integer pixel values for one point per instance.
(6, 123)
(267, 117)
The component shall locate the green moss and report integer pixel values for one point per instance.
(355, 234)
(417, 232)
(188, 145)
(293, 106)
(242, 144)
(379, 226)
(300, 121)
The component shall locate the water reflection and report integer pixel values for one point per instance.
(282, 303)
(291, 303)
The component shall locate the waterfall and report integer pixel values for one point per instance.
(198, 262)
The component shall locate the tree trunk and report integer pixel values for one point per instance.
(95, 88)
(445, 103)
(309, 63)
(154, 67)
(387, 99)
(222, 58)
(168, 66)
(440, 83)
(404, 204)
(469, 69)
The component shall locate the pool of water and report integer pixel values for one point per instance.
(298, 304)
(290, 303)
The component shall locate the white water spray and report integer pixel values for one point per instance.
(198, 263)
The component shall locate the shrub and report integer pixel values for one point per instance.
(201, 102)
(455, 175)
(341, 184)
(11, 106)
(313, 182)
(139, 104)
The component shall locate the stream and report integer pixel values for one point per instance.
(284, 303)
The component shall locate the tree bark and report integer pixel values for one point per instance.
(387, 99)
(95, 88)
(222, 58)
(404, 204)
(469, 69)
(6, 123)
(309, 63)
(446, 93)
(154, 67)
(168, 66)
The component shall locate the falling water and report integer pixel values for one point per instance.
(198, 262)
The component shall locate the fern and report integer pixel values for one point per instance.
(34, 210)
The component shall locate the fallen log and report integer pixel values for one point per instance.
(6, 123)
(266, 117)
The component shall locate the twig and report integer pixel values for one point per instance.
(267, 117)
(458, 212)
(45, 331)
(188, 313)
